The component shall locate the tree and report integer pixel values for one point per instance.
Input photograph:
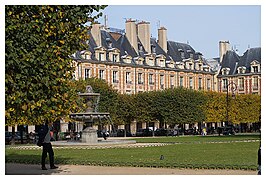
(39, 42)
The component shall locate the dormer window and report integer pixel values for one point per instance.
(170, 65)
(115, 57)
(140, 47)
(162, 64)
(255, 66)
(182, 53)
(101, 57)
(190, 53)
(190, 65)
(127, 59)
(241, 70)
(86, 55)
(139, 61)
(206, 68)
(225, 71)
(180, 65)
(200, 67)
(255, 69)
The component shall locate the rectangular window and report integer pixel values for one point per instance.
(172, 81)
(87, 73)
(224, 84)
(162, 81)
(115, 77)
(162, 63)
(79, 71)
(208, 84)
(255, 83)
(151, 62)
(87, 56)
(190, 66)
(200, 83)
(128, 79)
(101, 56)
(151, 79)
(191, 82)
(200, 67)
(241, 83)
(115, 59)
(101, 74)
(140, 81)
(255, 69)
(181, 79)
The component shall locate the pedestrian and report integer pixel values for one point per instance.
(259, 161)
(47, 146)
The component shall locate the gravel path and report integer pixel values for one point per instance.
(29, 169)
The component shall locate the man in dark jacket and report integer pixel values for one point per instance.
(259, 161)
(47, 146)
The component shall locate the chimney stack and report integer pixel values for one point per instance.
(131, 33)
(144, 35)
(224, 46)
(162, 38)
(96, 33)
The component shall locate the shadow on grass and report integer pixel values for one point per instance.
(18, 164)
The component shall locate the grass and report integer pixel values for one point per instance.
(197, 139)
(233, 155)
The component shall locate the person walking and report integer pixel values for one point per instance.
(47, 146)
(259, 161)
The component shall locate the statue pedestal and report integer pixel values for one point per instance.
(89, 135)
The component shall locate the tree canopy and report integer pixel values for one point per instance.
(39, 42)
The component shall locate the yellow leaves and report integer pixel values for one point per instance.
(11, 109)
(62, 41)
(39, 104)
(24, 107)
(52, 111)
(60, 14)
(32, 106)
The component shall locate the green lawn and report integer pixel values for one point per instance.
(233, 155)
(197, 139)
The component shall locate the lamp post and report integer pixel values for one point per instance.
(233, 88)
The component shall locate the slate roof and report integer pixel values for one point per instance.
(125, 48)
(249, 56)
(232, 60)
(174, 50)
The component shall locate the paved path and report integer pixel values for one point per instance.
(26, 169)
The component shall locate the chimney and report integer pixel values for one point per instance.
(131, 33)
(144, 35)
(162, 38)
(96, 33)
(223, 47)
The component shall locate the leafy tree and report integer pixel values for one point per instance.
(215, 107)
(39, 42)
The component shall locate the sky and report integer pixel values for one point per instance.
(202, 26)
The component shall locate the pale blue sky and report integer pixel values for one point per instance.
(202, 26)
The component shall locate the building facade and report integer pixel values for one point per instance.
(134, 62)
(242, 71)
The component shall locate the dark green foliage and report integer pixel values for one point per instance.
(39, 42)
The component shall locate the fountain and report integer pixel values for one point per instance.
(91, 115)
(89, 135)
